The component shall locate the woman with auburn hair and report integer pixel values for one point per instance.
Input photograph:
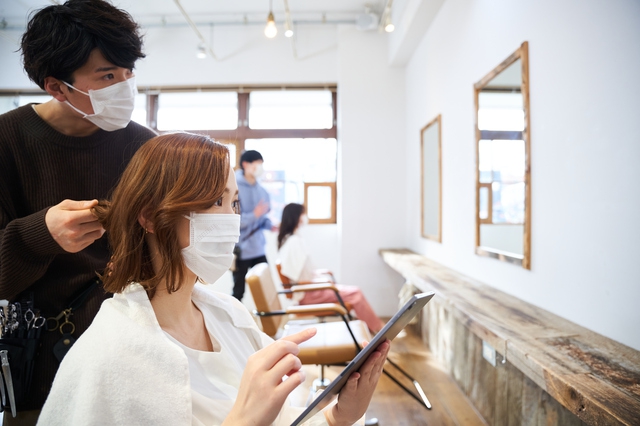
(166, 349)
(296, 264)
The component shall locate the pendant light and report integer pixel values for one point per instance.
(270, 30)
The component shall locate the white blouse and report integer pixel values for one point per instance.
(295, 261)
(215, 376)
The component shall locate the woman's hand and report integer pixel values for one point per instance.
(262, 391)
(356, 394)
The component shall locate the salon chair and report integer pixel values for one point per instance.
(336, 342)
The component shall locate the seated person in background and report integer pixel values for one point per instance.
(296, 265)
(167, 350)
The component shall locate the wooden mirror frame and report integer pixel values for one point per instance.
(438, 237)
(525, 259)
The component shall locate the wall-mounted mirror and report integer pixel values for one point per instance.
(431, 184)
(503, 178)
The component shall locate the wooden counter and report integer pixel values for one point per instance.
(593, 377)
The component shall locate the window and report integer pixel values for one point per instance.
(198, 111)
(320, 202)
(290, 165)
(294, 129)
(502, 174)
(501, 158)
(291, 110)
(9, 102)
(140, 109)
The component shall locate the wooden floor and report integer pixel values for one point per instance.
(393, 407)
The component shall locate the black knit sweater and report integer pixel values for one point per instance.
(40, 167)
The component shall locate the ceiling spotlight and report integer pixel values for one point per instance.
(201, 52)
(388, 24)
(288, 25)
(367, 21)
(288, 32)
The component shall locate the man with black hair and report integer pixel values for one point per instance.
(56, 160)
(254, 206)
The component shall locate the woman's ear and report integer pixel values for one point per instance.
(146, 224)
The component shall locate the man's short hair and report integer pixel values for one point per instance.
(250, 156)
(59, 39)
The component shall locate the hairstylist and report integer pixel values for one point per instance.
(56, 160)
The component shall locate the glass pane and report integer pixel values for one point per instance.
(288, 163)
(311, 109)
(484, 202)
(7, 103)
(501, 161)
(505, 238)
(500, 111)
(319, 202)
(485, 163)
(232, 154)
(140, 109)
(35, 99)
(198, 111)
(508, 202)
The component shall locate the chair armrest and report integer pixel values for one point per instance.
(312, 282)
(326, 272)
(320, 307)
(313, 287)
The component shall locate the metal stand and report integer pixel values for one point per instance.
(422, 398)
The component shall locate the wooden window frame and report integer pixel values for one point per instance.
(489, 218)
(334, 209)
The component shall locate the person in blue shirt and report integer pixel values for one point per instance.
(254, 206)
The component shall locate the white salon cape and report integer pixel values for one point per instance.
(125, 370)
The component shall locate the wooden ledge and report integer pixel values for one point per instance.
(594, 377)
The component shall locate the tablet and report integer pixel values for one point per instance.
(390, 330)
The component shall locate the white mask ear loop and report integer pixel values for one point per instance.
(75, 88)
(84, 114)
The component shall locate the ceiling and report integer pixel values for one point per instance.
(149, 13)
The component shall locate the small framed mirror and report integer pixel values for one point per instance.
(503, 169)
(431, 179)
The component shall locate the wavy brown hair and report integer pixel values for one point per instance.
(168, 177)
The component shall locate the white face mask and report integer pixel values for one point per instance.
(258, 171)
(211, 241)
(112, 106)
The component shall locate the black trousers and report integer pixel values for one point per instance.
(242, 267)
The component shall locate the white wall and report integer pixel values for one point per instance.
(585, 150)
(371, 102)
(245, 56)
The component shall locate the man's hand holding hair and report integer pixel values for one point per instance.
(72, 225)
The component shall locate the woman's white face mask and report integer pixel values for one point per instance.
(112, 105)
(212, 237)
